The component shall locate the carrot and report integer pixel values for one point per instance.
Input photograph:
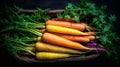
(90, 37)
(31, 48)
(42, 30)
(78, 26)
(56, 19)
(29, 51)
(39, 39)
(54, 39)
(40, 46)
(63, 30)
(92, 33)
(50, 55)
(74, 38)
(69, 20)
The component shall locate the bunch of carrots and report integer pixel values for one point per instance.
(51, 39)
(72, 32)
(63, 39)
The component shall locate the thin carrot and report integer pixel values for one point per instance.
(57, 40)
(50, 55)
(74, 38)
(92, 33)
(42, 30)
(90, 37)
(63, 30)
(68, 20)
(30, 52)
(31, 48)
(55, 19)
(78, 26)
(41, 46)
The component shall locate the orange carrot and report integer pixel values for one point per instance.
(74, 38)
(42, 30)
(90, 37)
(78, 26)
(92, 33)
(57, 40)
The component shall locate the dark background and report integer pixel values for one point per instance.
(112, 8)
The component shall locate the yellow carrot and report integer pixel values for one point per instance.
(50, 55)
(39, 39)
(57, 40)
(40, 46)
(63, 30)
(31, 48)
(30, 51)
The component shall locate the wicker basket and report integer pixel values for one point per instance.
(27, 59)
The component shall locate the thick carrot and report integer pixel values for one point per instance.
(63, 30)
(78, 26)
(40, 46)
(74, 38)
(50, 55)
(57, 40)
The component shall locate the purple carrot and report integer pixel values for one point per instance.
(92, 45)
(98, 49)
